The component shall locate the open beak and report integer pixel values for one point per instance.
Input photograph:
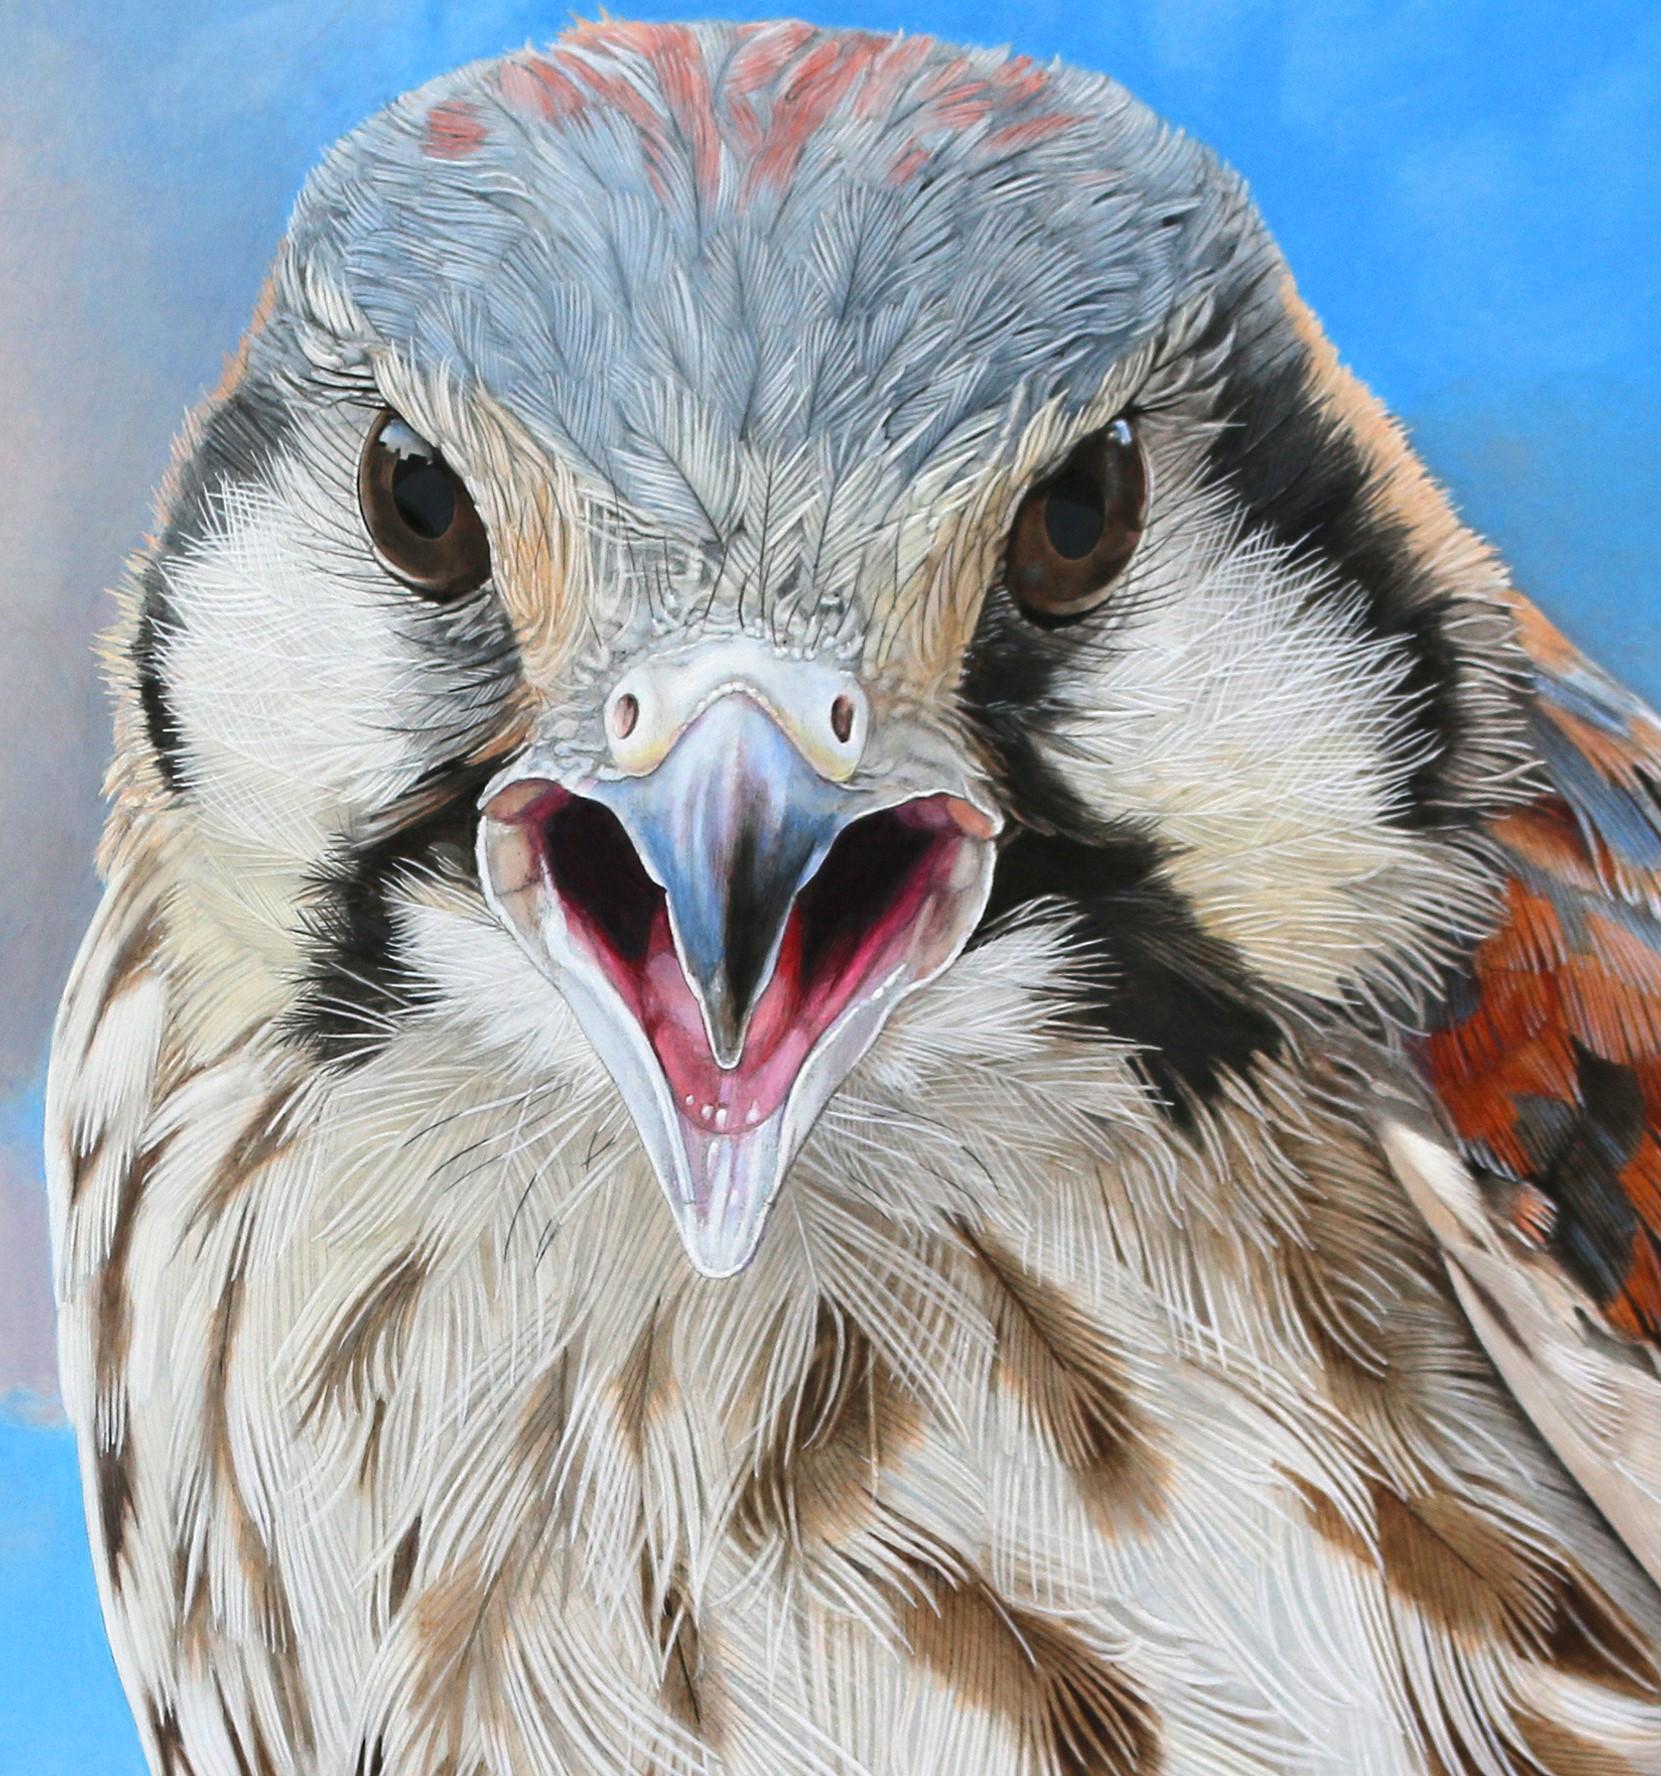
(734, 918)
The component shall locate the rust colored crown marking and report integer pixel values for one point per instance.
(800, 79)
(454, 131)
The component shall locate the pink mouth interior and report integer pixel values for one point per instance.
(860, 916)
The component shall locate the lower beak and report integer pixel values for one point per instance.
(732, 930)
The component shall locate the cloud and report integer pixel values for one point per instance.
(79, 413)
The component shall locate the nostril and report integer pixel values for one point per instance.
(842, 718)
(625, 712)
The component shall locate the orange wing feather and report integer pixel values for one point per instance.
(1546, 1055)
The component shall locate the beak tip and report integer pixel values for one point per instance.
(719, 1263)
(726, 1022)
(727, 1187)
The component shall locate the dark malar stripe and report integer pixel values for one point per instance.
(1154, 978)
(357, 978)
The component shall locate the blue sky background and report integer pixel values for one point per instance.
(1468, 190)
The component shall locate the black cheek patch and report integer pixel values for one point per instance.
(1153, 978)
(357, 983)
(161, 723)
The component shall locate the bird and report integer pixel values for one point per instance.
(864, 1003)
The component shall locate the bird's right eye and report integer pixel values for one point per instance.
(419, 515)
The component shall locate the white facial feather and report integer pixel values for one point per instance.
(1245, 711)
(293, 713)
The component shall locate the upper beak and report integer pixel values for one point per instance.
(734, 918)
(731, 826)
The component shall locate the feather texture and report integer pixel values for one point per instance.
(1103, 1399)
(1546, 1060)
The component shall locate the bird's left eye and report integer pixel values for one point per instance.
(419, 514)
(1076, 531)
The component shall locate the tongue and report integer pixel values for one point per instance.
(711, 1097)
(815, 978)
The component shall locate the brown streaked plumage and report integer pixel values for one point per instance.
(726, 1142)
(1065, 1702)
(1072, 1390)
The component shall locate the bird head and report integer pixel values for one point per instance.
(712, 523)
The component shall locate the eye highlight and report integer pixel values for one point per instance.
(1076, 531)
(419, 515)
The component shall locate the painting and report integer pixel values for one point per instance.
(833, 927)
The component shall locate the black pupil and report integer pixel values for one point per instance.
(1073, 514)
(424, 496)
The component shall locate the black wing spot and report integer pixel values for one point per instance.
(1582, 1152)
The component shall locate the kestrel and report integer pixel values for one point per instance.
(864, 1005)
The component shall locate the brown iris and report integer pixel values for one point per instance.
(1077, 530)
(418, 513)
